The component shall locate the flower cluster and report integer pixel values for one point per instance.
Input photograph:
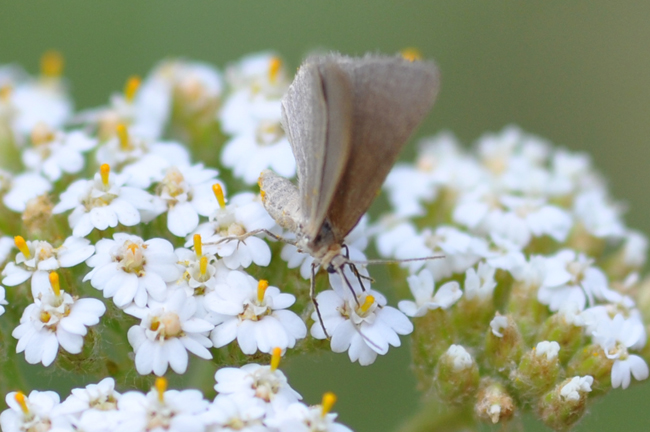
(525, 286)
(252, 398)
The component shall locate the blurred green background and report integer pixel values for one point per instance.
(577, 73)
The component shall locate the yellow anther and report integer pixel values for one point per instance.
(370, 300)
(411, 54)
(45, 317)
(54, 281)
(104, 171)
(21, 244)
(133, 247)
(52, 64)
(161, 387)
(131, 87)
(218, 193)
(329, 399)
(275, 358)
(123, 136)
(5, 92)
(262, 285)
(198, 245)
(203, 265)
(20, 398)
(274, 68)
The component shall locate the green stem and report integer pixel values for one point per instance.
(435, 417)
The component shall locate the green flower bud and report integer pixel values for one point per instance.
(564, 328)
(494, 404)
(503, 344)
(524, 307)
(431, 337)
(592, 361)
(456, 376)
(538, 370)
(562, 407)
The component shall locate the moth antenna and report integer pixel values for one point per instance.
(312, 295)
(381, 261)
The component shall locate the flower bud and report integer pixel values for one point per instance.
(592, 361)
(524, 307)
(562, 407)
(432, 335)
(456, 376)
(564, 327)
(503, 344)
(494, 404)
(537, 371)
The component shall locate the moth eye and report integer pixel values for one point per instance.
(330, 269)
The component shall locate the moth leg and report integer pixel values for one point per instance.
(358, 275)
(341, 273)
(312, 295)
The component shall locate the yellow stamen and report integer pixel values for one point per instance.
(198, 245)
(203, 265)
(131, 87)
(275, 358)
(161, 387)
(54, 281)
(21, 244)
(123, 135)
(5, 92)
(133, 247)
(370, 300)
(52, 64)
(274, 68)
(218, 193)
(329, 399)
(411, 54)
(261, 289)
(20, 398)
(104, 171)
(45, 317)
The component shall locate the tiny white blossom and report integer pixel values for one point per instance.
(600, 217)
(255, 314)
(497, 324)
(129, 269)
(480, 283)
(301, 418)
(103, 202)
(40, 102)
(55, 319)
(235, 413)
(167, 331)
(548, 349)
(460, 357)
(24, 187)
(422, 287)
(101, 397)
(187, 193)
(36, 412)
(571, 390)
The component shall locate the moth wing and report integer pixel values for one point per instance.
(391, 97)
(316, 114)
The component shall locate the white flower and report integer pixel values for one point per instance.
(570, 277)
(480, 283)
(235, 413)
(6, 246)
(497, 324)
(571, 390)
(132, 270)
(171, 410)
(261, 147)
(255, 314)
(23, 188)
(600, 217)
(459, 356)
(301, 418)
(361, 324)
(252, 380)
(35, 412)
(635, 249)
(39, 102)
(54, 153)
(103, 202)
(548, 349)
(55, 318)
(3, 300)
(101, 397)
(408, 186)
(244, 213)
(197, 87)
(422, 287)
(167, 331)
(615, 336)
(151, 166)
(187, 193)
(37, 258)
(356, 242)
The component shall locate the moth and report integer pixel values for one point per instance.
(347, 120)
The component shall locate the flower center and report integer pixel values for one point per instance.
(173, 184)
(269, 132)
(167, 326)
(131, 258)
